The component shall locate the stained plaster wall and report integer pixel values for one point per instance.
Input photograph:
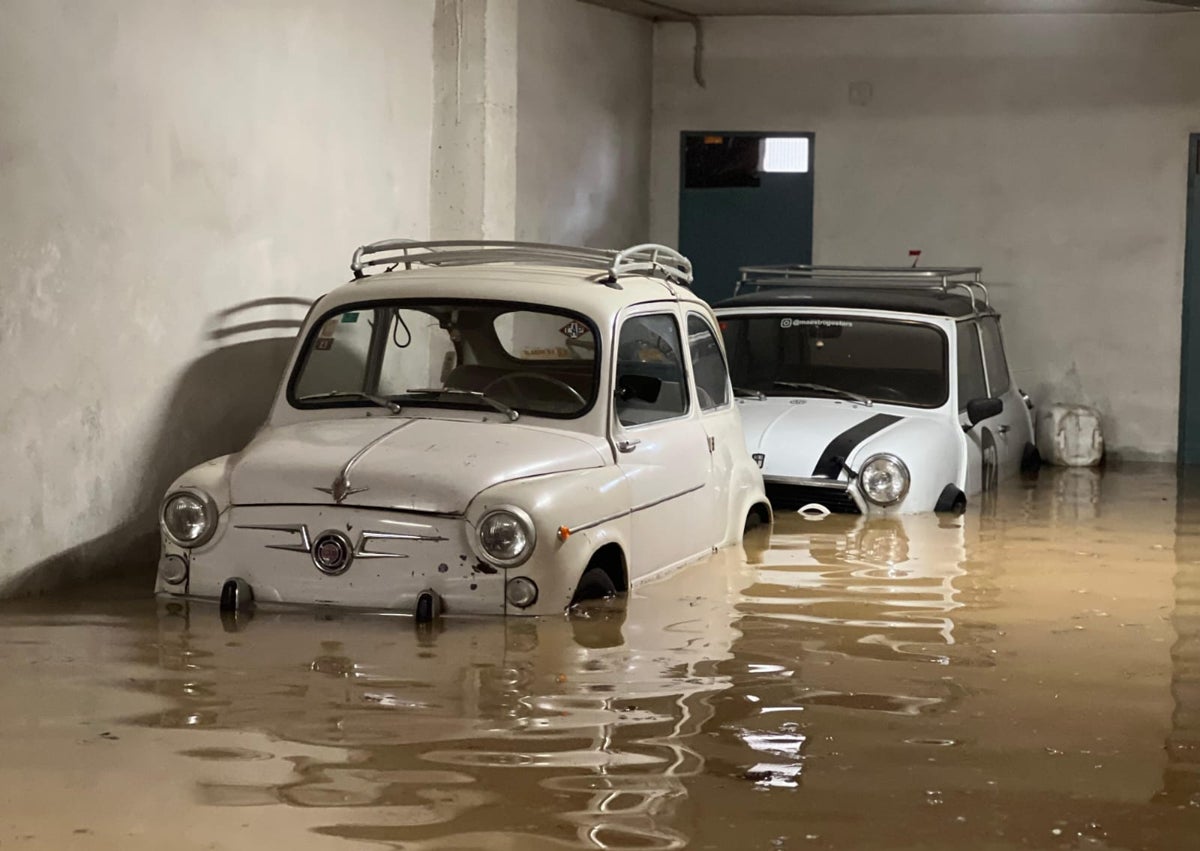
(1052, 150)
(583, 134)
(164, 167)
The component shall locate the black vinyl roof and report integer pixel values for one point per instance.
(933, 302)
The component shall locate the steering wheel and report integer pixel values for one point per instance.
(513, 378)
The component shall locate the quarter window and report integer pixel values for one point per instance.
(651, 385)
(708, 365)
(993, 356)
(971, 384)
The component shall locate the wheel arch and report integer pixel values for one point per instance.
(610, 557)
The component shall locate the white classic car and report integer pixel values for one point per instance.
(872, 389)
(482, 428)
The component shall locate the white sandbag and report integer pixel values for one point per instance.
(1070, 436)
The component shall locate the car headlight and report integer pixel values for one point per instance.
(883, 479)
(506, 536)
(189, 517)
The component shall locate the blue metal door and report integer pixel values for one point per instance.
(744, 199)
(1189, 373)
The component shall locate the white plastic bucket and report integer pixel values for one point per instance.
(1070, 436)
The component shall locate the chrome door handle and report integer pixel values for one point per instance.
(627, 445)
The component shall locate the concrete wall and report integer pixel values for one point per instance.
(1052, 150)
(583, 124)
(165, 166)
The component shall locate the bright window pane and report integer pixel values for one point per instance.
(784, 154)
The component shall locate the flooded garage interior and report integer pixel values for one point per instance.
(180, 181)
(1025, 675)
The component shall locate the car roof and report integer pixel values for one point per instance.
(932, 302)
(562, 287)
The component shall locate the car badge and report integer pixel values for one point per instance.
(759, 458)
(340, 489)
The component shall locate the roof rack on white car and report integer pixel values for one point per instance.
(965, 279)
(657, 261)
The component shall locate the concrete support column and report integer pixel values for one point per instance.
(474, 178)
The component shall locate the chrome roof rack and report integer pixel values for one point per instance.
(657, 261)
(964, 279)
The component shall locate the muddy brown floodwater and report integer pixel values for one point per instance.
(1024, 676)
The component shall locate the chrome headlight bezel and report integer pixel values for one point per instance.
(526, 522)
(210, 516)
(901, 467)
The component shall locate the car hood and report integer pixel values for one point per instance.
(812, 437)
(410, 464)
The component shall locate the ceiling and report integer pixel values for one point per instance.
(666, 10)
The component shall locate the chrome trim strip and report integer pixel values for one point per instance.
(803, 481)
(601, 521)
(366, 537)
(594, 523)
(644, 506)
(340, 489)
(305, 545)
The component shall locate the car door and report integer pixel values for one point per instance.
(714, 398)
(1012, 425)
(983, 458)
(659, 441)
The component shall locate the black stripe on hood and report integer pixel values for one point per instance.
(829, 465)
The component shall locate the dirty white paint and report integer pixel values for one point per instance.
(1050, 149)
(164, 163)
(583, 134)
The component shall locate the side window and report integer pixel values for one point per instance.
(993, 355)
(650, 380)
(971, 384)
(708, 365)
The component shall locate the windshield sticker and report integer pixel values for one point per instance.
(789, 322)
(573, 330)
(348, 318)
(324, 344)
(545, 353)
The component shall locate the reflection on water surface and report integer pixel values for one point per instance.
(1027, 675)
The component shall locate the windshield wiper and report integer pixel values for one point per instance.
(511, 413)
(821, 388)
(356, 394)
(744, 391)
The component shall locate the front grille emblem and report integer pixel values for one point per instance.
(331, 553)
(327, 550)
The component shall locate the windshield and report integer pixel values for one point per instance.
(453, 354)
(845, 357)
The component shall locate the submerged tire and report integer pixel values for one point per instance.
(951, 501)
(595, 584)
(1031, 459)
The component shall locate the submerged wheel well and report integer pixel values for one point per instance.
(611, 559)
(759, 515)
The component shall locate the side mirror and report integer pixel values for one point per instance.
(980, 409)
(642, 387)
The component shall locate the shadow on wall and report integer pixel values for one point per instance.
(215, 408)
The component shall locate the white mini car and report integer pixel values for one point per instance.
(868, 389)
(482, 428)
